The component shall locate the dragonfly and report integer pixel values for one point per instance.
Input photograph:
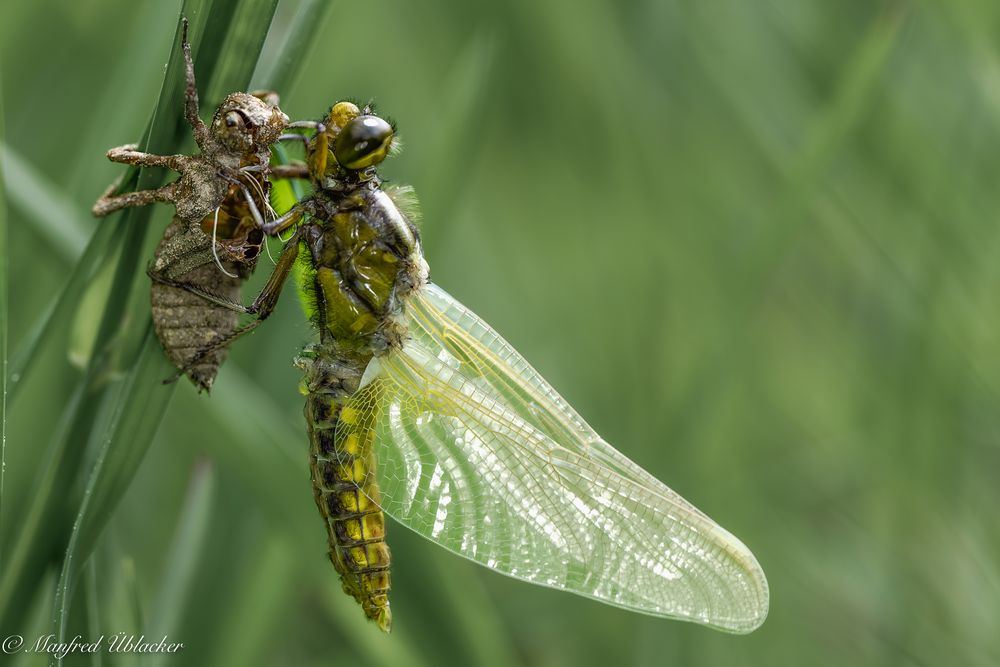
(216, 236)
(417, 409)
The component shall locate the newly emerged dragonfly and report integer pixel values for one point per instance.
(418, 408)
(217, 233)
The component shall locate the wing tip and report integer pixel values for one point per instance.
(756, 601)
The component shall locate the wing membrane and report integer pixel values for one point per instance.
(479, 454)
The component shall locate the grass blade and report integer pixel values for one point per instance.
(184, 556)
(142, 399)
(3, 326)
(143, 403)
(94, 616)
(284, 65)
(45, 338)
(44, 205)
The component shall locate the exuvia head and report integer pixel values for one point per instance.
(360, 138)
(247, 122)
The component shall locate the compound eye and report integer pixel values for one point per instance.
(364, 141)
(234, 119)
(341, 114)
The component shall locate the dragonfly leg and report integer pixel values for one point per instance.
(198, 126)
(268, 97)
(206, 294)
(295, 136)
(292, 136)
(316, 158)
(110, 203)
(309, 124)
(128, 154)
(290, 171)
(286, 221)
(265, 302)
(251, 204)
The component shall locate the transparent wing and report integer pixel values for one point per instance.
(479, 454)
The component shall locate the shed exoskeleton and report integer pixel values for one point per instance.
(217, 233)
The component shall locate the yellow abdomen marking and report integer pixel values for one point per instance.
(346, 494)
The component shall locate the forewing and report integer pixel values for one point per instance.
(462, 340)
(479, 454)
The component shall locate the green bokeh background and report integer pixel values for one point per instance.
(755, 244)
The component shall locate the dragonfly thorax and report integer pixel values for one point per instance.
(365, 260)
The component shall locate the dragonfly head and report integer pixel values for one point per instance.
(248, 122)
(360, 139)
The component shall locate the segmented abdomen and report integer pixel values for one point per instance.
(184, 322)
(347, 497)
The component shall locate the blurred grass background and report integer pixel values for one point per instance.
(755, 244)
